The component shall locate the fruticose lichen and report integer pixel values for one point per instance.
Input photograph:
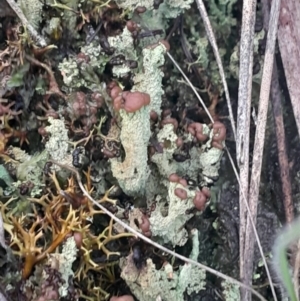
(167, 223)
(231, 291)
(150, 284)
(57, 146)
(83, 72)
(133, 172)
(123, 44)
(65, 261)
(29, 169)
(32, 9)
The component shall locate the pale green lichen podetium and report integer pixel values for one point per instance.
(133, 172)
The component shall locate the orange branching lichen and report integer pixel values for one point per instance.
(61, 212)
(27, 240)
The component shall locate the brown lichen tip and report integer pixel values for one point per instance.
(131, 101)
(219, 135)
(201, 198)
(196, 129)
(174, 178)
(181, 193)
(131, 25)
(144, 225)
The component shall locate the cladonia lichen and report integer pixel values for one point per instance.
(167, 222)
(133, 172)
(149, 81)
(32, 9)
(123, 44)
(150, 284)
(57, 146)
(65, 260)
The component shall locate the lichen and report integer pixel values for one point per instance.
(149, 81)
(133, 172)
(85, 73)
(57, 146)
(231, 291)
(173, 7)
(164, 161)
(169, 227)
(65, 260)
(124, 46)
(32, 10)
(204, 158)
(150, 284)
(209, 161)
(28, 169)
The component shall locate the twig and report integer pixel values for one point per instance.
(35, 35)
(212, 40)
(289, 45)
(151, 242)
(186, 51)
(280, 133)
(260, 139)
(284, 164)
(243, 120)
(281, 147)
(53, 86)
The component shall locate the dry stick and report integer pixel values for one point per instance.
(284, 169)
(243, 121)
(279, 129)
(281, 147)
(260, 136)
(2, 236)
(39, 39)
(54, 89)
(284, 166)
(151, 242)
(212, 40)
(234, 170)
(289, 45)
(283, 160)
